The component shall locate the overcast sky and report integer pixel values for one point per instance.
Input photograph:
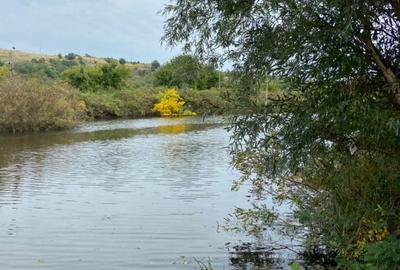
(128, 29)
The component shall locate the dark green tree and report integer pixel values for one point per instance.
(37, 68)
(155, 65)
(70, 56)
(329, 144)
(114, 75)
(186, 71)
(109, 76)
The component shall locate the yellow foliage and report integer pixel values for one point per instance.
(4, 71)
(170, 104)
(369, 236)
(82, 104)
(174, 129)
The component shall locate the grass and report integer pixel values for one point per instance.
(13, 56)
(204, 265)
(16, 55)
(10, 56)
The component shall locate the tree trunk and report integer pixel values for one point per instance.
(387, 71)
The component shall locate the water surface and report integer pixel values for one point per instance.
(134, 194)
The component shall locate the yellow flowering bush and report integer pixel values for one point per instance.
(170, 104)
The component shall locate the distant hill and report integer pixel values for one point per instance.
(16, 55)
(10, 56)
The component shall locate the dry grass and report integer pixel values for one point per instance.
(12, 56)
(28, 105)
(15, 55)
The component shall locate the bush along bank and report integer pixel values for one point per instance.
(30, 105)
(139, 103)
(33, 105)
(42, 95)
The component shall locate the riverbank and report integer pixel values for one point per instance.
(60, 92)
(139, 103)
(32, 105)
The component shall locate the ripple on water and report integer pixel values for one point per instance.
(132, 194)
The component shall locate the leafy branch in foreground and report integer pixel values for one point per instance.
(330, 145)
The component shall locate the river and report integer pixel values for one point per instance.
(131, 194)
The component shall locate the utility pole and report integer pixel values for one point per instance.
(11, 63)
(266, 89)
(219, 80)
(219, 76)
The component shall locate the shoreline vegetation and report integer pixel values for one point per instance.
(42, 93)
(329, 148)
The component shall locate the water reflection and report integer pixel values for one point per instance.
(24, 154)
(141, 194)
(109, 197)
(174, 129)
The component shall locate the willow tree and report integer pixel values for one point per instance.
(330, 144)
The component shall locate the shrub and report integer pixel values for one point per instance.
(4, 71)
(101, 105)
(138, 103)
(93, 78)
(212, 101)
(186, 71)
(61, 65)
(207, 77)
(70, 56)
(127, 103)
(170, 104)
(382, 255)
(84, 78)
(114, 75)
(36, 68)
(27, 105)
(141, 102)
(42, 69)
(155, 65)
